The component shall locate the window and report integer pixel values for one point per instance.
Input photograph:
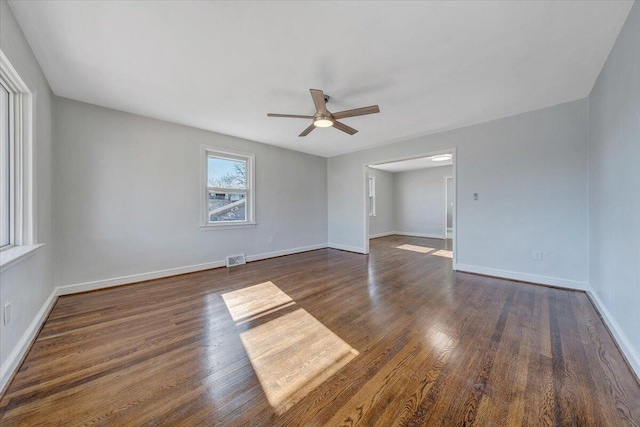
(17, 227)
(371, 193)
(229, 190)
(6, 217)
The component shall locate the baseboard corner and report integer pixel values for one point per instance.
(629, 353)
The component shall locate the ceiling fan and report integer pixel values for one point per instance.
(324, 119)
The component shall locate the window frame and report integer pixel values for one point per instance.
(23, 227)
(9, 168)
(371, 195)
(249, 159)
(22, 223)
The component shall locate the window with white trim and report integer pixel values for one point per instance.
(6, 166)
(17, 225)
(371, 193)
(229, 194)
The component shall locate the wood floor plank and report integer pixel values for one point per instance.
(430, 347)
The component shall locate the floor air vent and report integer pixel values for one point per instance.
(234, 260)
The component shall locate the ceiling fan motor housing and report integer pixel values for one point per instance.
(323, 116)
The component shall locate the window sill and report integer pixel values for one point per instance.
(15, 255)
(212, 227)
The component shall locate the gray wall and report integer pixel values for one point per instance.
(28, 284)
(614, 184)
(419, 201)
(383, 222)
(128, 196)
(530, 171)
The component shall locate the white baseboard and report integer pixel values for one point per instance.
(15, 357)
(430, 236)
(618, 335)
(375, 236)
(141, 277)
(346, 248)
(406, 233)
(267, 255)
(525, 277)
(134, 278)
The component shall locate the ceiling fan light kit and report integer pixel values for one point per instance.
(322, 121)
(323, 118)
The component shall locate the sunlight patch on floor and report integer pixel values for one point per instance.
(255, 301)
(415, 248)
(294, 354)
(291, 354)
(443, 253)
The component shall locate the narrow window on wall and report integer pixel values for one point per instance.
(371, 189)
(229, 195)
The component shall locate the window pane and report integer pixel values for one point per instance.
(227, 206)
(5, 180)
(226, 173)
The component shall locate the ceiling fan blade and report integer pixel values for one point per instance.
(308, 130)
(357, 112)
(293, 116)
(344, 128)
(318, 100)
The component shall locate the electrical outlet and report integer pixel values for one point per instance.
(537, 255)
(7, 314)
(475, 196)
(270, 239)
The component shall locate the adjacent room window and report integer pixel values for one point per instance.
(229, 196)
(371, 192)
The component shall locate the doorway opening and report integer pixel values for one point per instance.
(412, 196)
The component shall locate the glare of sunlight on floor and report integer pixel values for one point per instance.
(443, 253)
(414, 248)
(255, 301)
(440, 339)
(291, 354)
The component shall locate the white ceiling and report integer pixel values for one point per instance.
(222, 66)
(410, 165)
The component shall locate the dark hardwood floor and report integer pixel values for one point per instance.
(326, 338)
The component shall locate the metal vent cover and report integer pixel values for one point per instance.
(233, 260)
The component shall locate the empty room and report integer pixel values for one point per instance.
(305, 213)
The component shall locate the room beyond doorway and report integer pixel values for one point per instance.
(412, 197)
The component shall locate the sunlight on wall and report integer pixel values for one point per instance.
(414, 248)
(291, 354)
